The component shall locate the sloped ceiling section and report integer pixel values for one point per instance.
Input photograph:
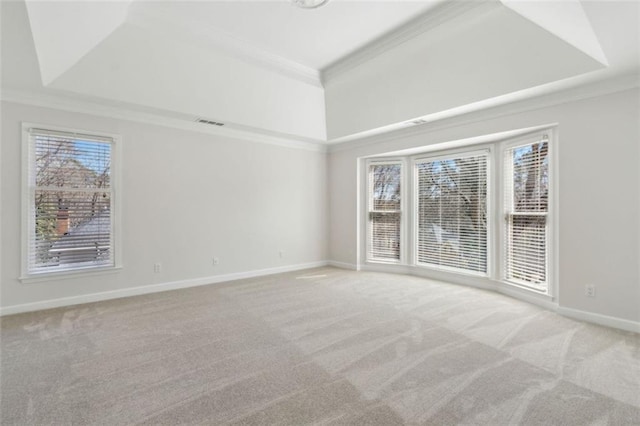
(92, 49)
(63, 32)
(139, 67)
(475, 57)
(566, 19)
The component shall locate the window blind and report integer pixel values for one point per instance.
(384, 211)
(452, 212)
(526, 201)
(70, 192)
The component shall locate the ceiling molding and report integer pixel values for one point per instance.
(160, 22)
(184, 122)
(444, 12)
(588, 89)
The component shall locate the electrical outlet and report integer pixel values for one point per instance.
(590, 290)
(157, 268)
(215, 261)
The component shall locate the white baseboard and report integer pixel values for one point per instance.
(386, 268)
(605, 320)
(343, 265)
(153, 288)
(544, 301)
(600, 319)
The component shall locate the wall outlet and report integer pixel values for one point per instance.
(590, 290)
(215, 261)
(157, 268)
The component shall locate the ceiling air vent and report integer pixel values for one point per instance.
(212, 123)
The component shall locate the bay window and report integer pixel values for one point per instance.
(453, 223)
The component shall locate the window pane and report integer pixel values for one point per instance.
(386, 187)
(527, 249)
(452, 213)
(71, 163)
(527, 194)
(384, 214)
(71, 228)
(530, 177)
(71, 204)
(385, 236)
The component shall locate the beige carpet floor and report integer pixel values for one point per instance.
(322, 346)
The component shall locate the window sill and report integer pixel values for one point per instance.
(451, 270)
(384, 262)
(64, 275)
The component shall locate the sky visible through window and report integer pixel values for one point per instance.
(93, 155)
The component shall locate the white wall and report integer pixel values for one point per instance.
(186, 197)
(599, 211)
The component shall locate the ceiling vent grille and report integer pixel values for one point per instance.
(210, 122)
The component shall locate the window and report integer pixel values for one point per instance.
(70, 201)
(526, 204)
(440, 215)
(452, 212)
(384, 211)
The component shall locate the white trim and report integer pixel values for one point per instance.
(507, 105)
(403, 209)
(153, 288)
(27, 195)
(446, 12)
(193, 32)
(493, 148)
(541, 300)
(484, 150)
(180, 121)
(69, 274)
(526, 295)
(607, 321)
(386, 268)
(552, 247)
(343, 265)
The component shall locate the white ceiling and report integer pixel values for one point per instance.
(270, 68)
(315, 38)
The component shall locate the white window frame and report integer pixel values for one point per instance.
(28, 223)
(551, 237)
(494, 278)
(403, 208)
(443, 155)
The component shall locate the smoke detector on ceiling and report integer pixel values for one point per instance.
(417, 122)
(309, 4)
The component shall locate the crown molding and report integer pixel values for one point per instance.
(558, 93)
(160, 22)
(444, 12)
(158, 118)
